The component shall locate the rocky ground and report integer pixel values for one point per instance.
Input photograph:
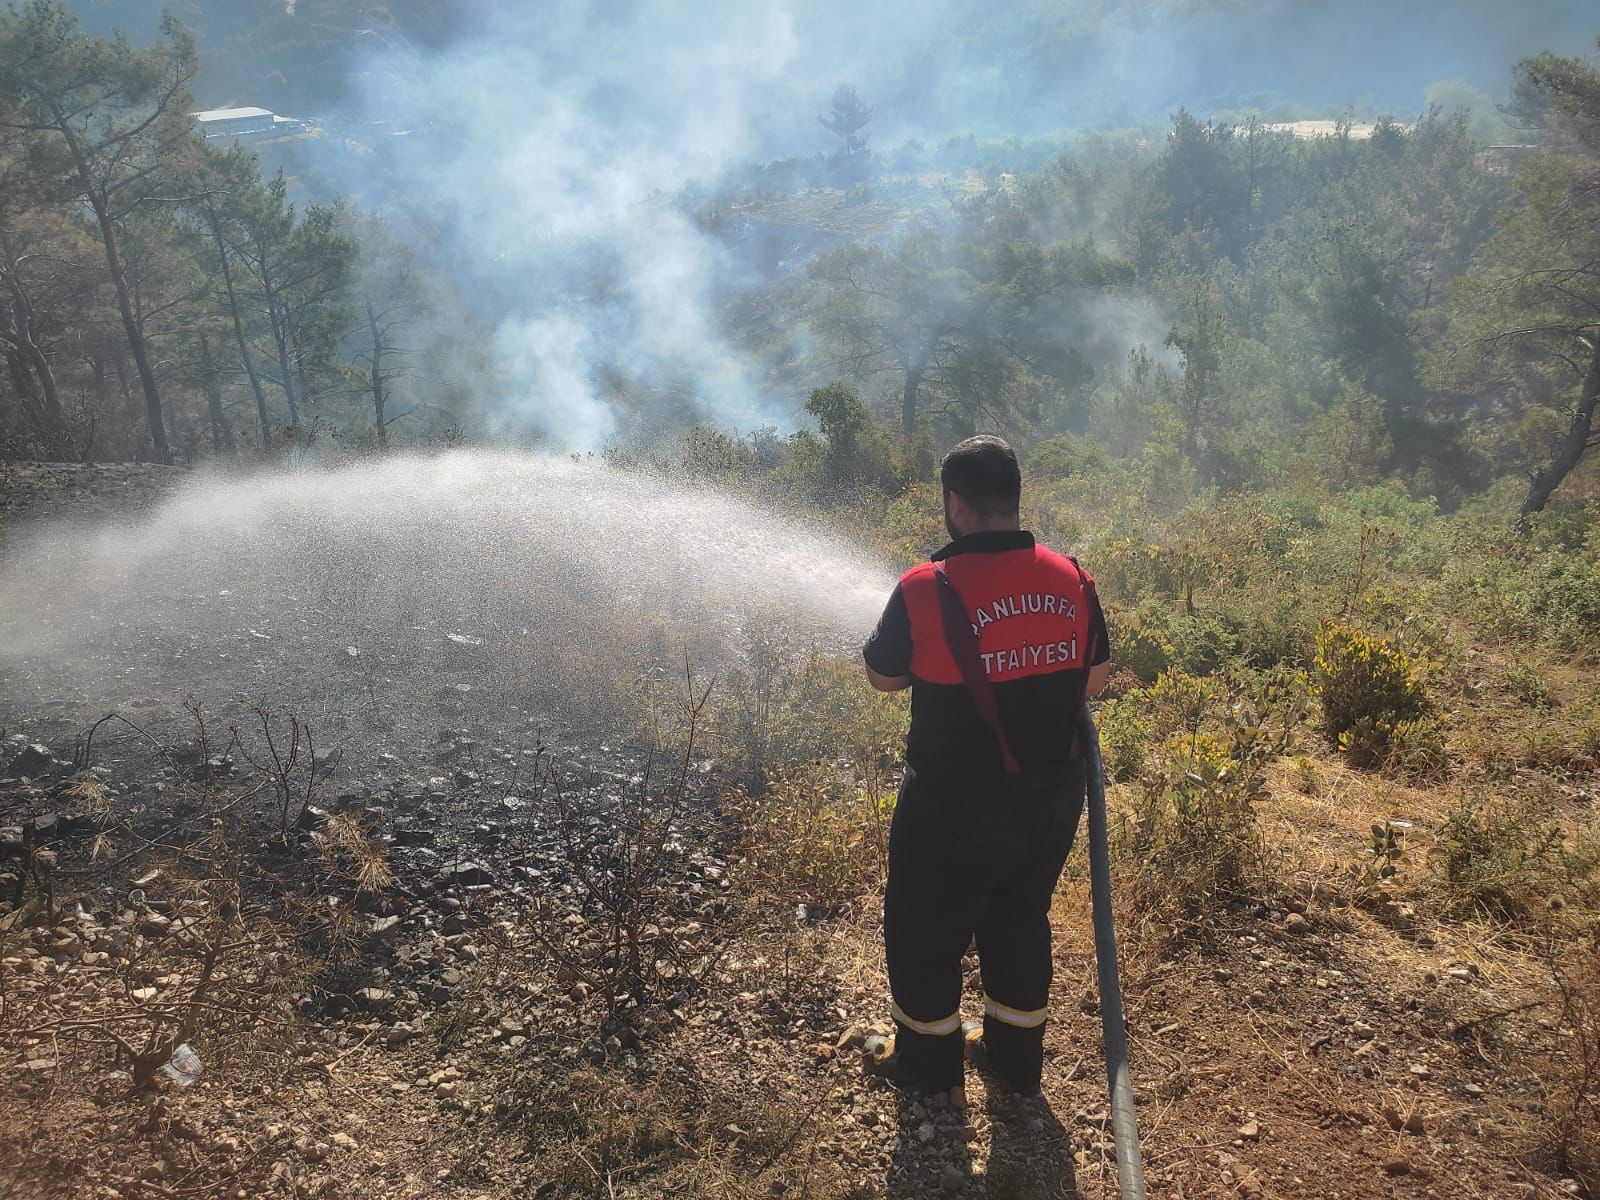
(499, 958)
(31, 491)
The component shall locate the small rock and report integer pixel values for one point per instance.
(344, 1141)
(1250, 1130)
(1409, 1121)
(375, 999)
(154, 925)
(33, 759)
(1297, 923)
(467, 874)
(1397, 1165)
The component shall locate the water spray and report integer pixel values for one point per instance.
(1124, 1127)
(507, 581)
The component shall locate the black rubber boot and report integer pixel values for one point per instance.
(879, 1058)
(1016, 1076)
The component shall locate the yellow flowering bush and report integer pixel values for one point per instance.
(1369, 691)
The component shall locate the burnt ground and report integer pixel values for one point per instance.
(411, 975)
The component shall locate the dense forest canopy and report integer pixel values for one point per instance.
(1219, 293)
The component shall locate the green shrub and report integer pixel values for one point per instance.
(1124, 736)
(1499, 856)
(913, 525)
(1138, 642)
(1368, 689)
(781, 709)
(1528, 685)
(1544, 587)
(1201, 644)
(1415, 750)
(1384, 854)
(1194, 836)
(1278, 629)
(1181, 703)
(814, 835)
(811, 745)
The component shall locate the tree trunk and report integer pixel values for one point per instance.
(53, 438)
(297, 356)
(128, 402)
(221, 431)
(280, 338)
(43, 404)
(378, 398)
(1579, 430)
(119, 282)
(97, 381)
(27, 396)
(908, 401)
(278, 319)
(238, 334)
(55, 419)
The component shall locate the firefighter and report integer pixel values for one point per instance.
(1001, 642)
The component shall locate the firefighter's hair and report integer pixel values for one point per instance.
(983, 471)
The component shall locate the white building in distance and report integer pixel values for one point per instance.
(246, 124)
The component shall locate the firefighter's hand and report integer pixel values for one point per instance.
(1099, 674)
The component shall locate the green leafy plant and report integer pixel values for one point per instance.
(1384, 855)
(1139, 644)
(1194, 838)
(1528, 685)
(1124, 736)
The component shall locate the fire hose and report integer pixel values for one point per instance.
(1124, 1127)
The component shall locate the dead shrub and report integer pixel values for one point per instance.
(623, 923)
(1572, 1099)
(192, 964)
(818, 835)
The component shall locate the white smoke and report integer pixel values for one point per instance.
(545, 146)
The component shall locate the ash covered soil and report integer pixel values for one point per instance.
(491, 944)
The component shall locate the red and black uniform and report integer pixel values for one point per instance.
(976, 850)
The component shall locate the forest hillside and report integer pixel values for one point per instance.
(449, 463)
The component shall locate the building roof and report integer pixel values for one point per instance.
(229, 114)
(1305, 130)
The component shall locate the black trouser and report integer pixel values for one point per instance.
(976, 863)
